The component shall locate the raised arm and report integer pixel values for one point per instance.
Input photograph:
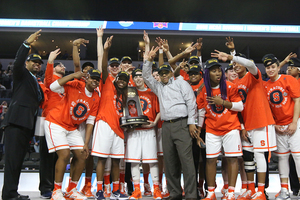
(165, 47)
(147, 42)
(76, 75)
(76, 58)
(106, 48)
(286, 60)
(243, 61)
(58, 85)
(160, 52)
(180, 67)
(147, 70)
(176, 58)
(22, 54)
(49, 69)
(99, 47)
(230, 44)
(199, 50)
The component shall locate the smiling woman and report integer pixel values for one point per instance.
(219, 102)
(108, 137)
(284, 99)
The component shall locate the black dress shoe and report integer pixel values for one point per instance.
(295, 192)
(23, 196)
(19, 197)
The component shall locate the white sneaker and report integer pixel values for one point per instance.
(284, 195)
(210, 196)
(123, 188)
(242, 193)
(74, 195)
(147, 190)
(107, 191)
(57, 195)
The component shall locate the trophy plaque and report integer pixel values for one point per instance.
(133, 113)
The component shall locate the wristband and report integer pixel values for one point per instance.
(26, 43)
(242, 126)
(161, 51)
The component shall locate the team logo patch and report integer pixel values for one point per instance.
(243, 95)
(276, 97)
(145, 104)
(79, 110)
(217, 108)
(119, 105)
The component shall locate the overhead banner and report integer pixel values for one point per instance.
(132, 25)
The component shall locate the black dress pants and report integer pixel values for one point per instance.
(16, 143)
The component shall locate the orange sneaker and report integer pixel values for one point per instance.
(210, 196)
(165, 194)
(242, 193)
(136, 194)
(276, 195)
(224, 192)
(107, 191)
(258, 196)
(86, 191)
(147, 190)
(230, 196)
(157, 194)
(74, 195)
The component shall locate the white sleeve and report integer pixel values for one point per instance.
(91, 120)
(151, 82)
(200, 62)
(55, 87)
(233, 54)
(201, 116)
(246, 63)
(237, 106)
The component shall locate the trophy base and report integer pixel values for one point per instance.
(133, 122)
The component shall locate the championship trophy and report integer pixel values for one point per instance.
(133, 114)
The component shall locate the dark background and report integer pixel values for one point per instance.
(127, 43)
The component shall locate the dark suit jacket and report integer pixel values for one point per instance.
(24, 103)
